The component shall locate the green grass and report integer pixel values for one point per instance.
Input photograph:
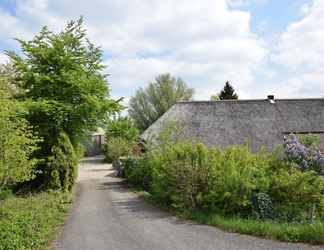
(31, 221)
(312, 233)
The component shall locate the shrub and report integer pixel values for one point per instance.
(305, 158)
(115, 147)
(303, 183)
(138, 171)
(262, 207)
(293, 191)
(62, 166)
(239, 176)
(180, 174)
(31, 222)
(17, 144)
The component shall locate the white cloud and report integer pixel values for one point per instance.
(304, 9)
(302, 42)
(240, 3)
(301, 51)
(204, 43)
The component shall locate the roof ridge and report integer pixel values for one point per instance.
(251, 100)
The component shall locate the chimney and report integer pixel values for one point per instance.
(271, 98)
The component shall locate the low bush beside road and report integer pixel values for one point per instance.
(31, 221)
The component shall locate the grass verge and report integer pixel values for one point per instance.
(312, 233)
(31, 221)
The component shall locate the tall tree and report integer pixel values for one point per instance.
(152, 102)
(228, 92)
(65, 89)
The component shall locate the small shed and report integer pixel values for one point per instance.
(94, 141)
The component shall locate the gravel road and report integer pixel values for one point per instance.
(107, 215)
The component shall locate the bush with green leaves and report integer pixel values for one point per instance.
(137, 171)
(17, 144)
(115, 147)
(262, 207)
(188, 175)
(293, 191)
(31, 221)
(304, 158)
(240, 174)
(182, 173)
(121, 126)
(62, 167)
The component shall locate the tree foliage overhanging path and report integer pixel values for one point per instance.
(151, 103)
(62, 73)
(63, 87)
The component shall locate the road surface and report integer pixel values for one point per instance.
(106, 215)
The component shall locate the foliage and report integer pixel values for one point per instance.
(262, 207)
(287, 231)
(182, 173)
(152, 102)
(121, 127)
(170, 132)
(293, 191)
(309, 140)
(17, 144)
(115, 148)
(227, 92)
(189, 175)
(31, 222)
(305, 158)
(5, 194)
(137, 171)
(62, 166)
(256, 194)
(7, 72)
(65, 89)
(215, 97)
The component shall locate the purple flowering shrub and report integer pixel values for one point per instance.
(305, 158)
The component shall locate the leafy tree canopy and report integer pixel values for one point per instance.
(215, 97)
(121, 126)
(7, 72)
(65, 89)
(151, 103)
(228, 92)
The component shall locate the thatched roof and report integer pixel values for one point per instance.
(230, 122)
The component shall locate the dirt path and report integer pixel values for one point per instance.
(107, 215)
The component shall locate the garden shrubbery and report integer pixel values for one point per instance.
(62, 168)
(234, 182)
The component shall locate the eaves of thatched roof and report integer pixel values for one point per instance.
(230, 122)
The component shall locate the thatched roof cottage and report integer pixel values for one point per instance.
(229, 122)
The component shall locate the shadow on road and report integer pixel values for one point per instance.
(141, 208)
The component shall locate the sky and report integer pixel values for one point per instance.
(262, 47)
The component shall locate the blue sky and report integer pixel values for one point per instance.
(261, 47)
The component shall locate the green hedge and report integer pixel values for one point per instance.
(190, 175)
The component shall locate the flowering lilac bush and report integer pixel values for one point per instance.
(306, 158)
